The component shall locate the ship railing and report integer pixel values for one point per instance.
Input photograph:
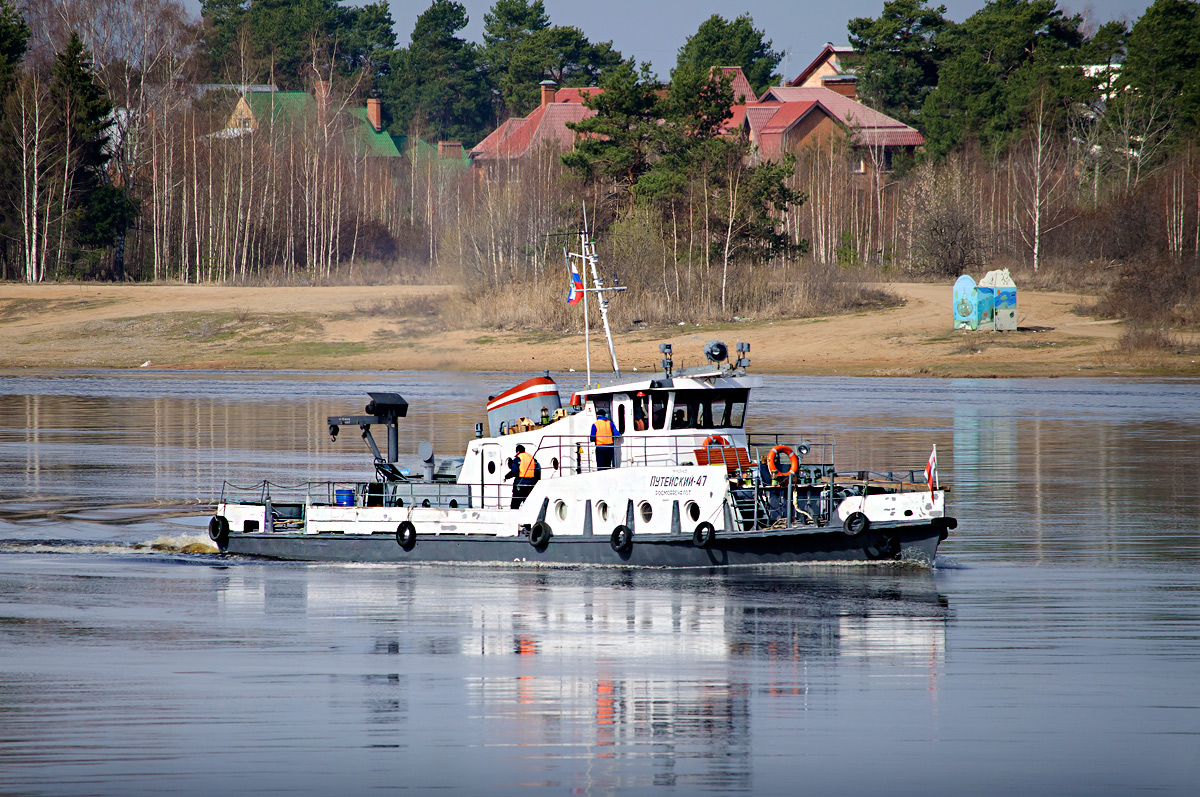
(313, 493)
(572, 454)
(809, 497)
(567, 454)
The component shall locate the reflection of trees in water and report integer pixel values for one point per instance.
(181, 447)
(649, 670)
(1046, 487)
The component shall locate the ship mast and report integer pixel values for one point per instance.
(587, 253)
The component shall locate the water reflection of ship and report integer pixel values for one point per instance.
(657, 665)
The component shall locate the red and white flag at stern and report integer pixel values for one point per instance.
(931, 470)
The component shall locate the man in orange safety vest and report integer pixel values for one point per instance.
(604, 436)
(524, 470)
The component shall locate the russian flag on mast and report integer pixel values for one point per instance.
(576, 291)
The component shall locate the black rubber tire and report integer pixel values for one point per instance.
(856, 524)
(621, 539)
(406, 535)
(539, 535)
(218, 530)
(704, 535)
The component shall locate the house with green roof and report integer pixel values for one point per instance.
(292, 107)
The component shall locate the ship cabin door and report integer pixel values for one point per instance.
(491, 473)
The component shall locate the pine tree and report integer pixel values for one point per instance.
(436, 85)
(722, 42)
(92, 212)
(899, 56)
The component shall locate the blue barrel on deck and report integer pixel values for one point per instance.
(343, 497)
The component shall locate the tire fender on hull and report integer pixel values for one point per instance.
(218, 531)
(621, 539)
(539, 535)
(406, 535)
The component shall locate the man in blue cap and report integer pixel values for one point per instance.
(604, 437)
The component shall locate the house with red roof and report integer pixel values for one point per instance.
(546, 126)
(832, 69)
(789, 119)
(785, 119)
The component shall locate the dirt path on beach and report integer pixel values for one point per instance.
(398, 328)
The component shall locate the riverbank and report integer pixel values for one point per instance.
(412, 327)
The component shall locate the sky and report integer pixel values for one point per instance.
(654, 30)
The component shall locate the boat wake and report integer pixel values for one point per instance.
(182, 543)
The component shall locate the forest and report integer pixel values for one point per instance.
(1064, 149)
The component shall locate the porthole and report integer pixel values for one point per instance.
(602, 510)
(560, 509)
(693, 510)
(454, 503)
(554, 462)
(646, 510)
(491, 467)
(425, 503)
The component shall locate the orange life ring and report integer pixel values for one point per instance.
(773, 464)
(715, 440)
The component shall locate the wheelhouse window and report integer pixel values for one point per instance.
(709, 409)
(640, 403)
(658, 410)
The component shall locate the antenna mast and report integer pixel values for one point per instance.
(587, 253)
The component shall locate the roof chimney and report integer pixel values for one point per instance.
(548, 89)
(374, 114)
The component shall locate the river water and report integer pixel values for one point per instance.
(1055, 648)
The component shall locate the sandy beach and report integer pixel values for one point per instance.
(405, 327)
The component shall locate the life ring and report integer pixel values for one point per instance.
(406, 535)
(621, 539)
(715, 440)
(704, 535)
(218, 530)
(539, 535)
(773, 463)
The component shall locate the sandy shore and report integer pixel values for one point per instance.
(396, 328)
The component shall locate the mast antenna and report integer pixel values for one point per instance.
(587, 253)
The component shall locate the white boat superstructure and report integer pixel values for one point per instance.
(688, 486)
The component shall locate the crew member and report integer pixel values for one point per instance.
(524, 470)
(604, 436)
(639, 412)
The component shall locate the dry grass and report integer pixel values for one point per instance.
(399, 271)
(1138, 340)
(400, 307)
(1152, 293)
(794, 290)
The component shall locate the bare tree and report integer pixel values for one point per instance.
(1040, 172)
